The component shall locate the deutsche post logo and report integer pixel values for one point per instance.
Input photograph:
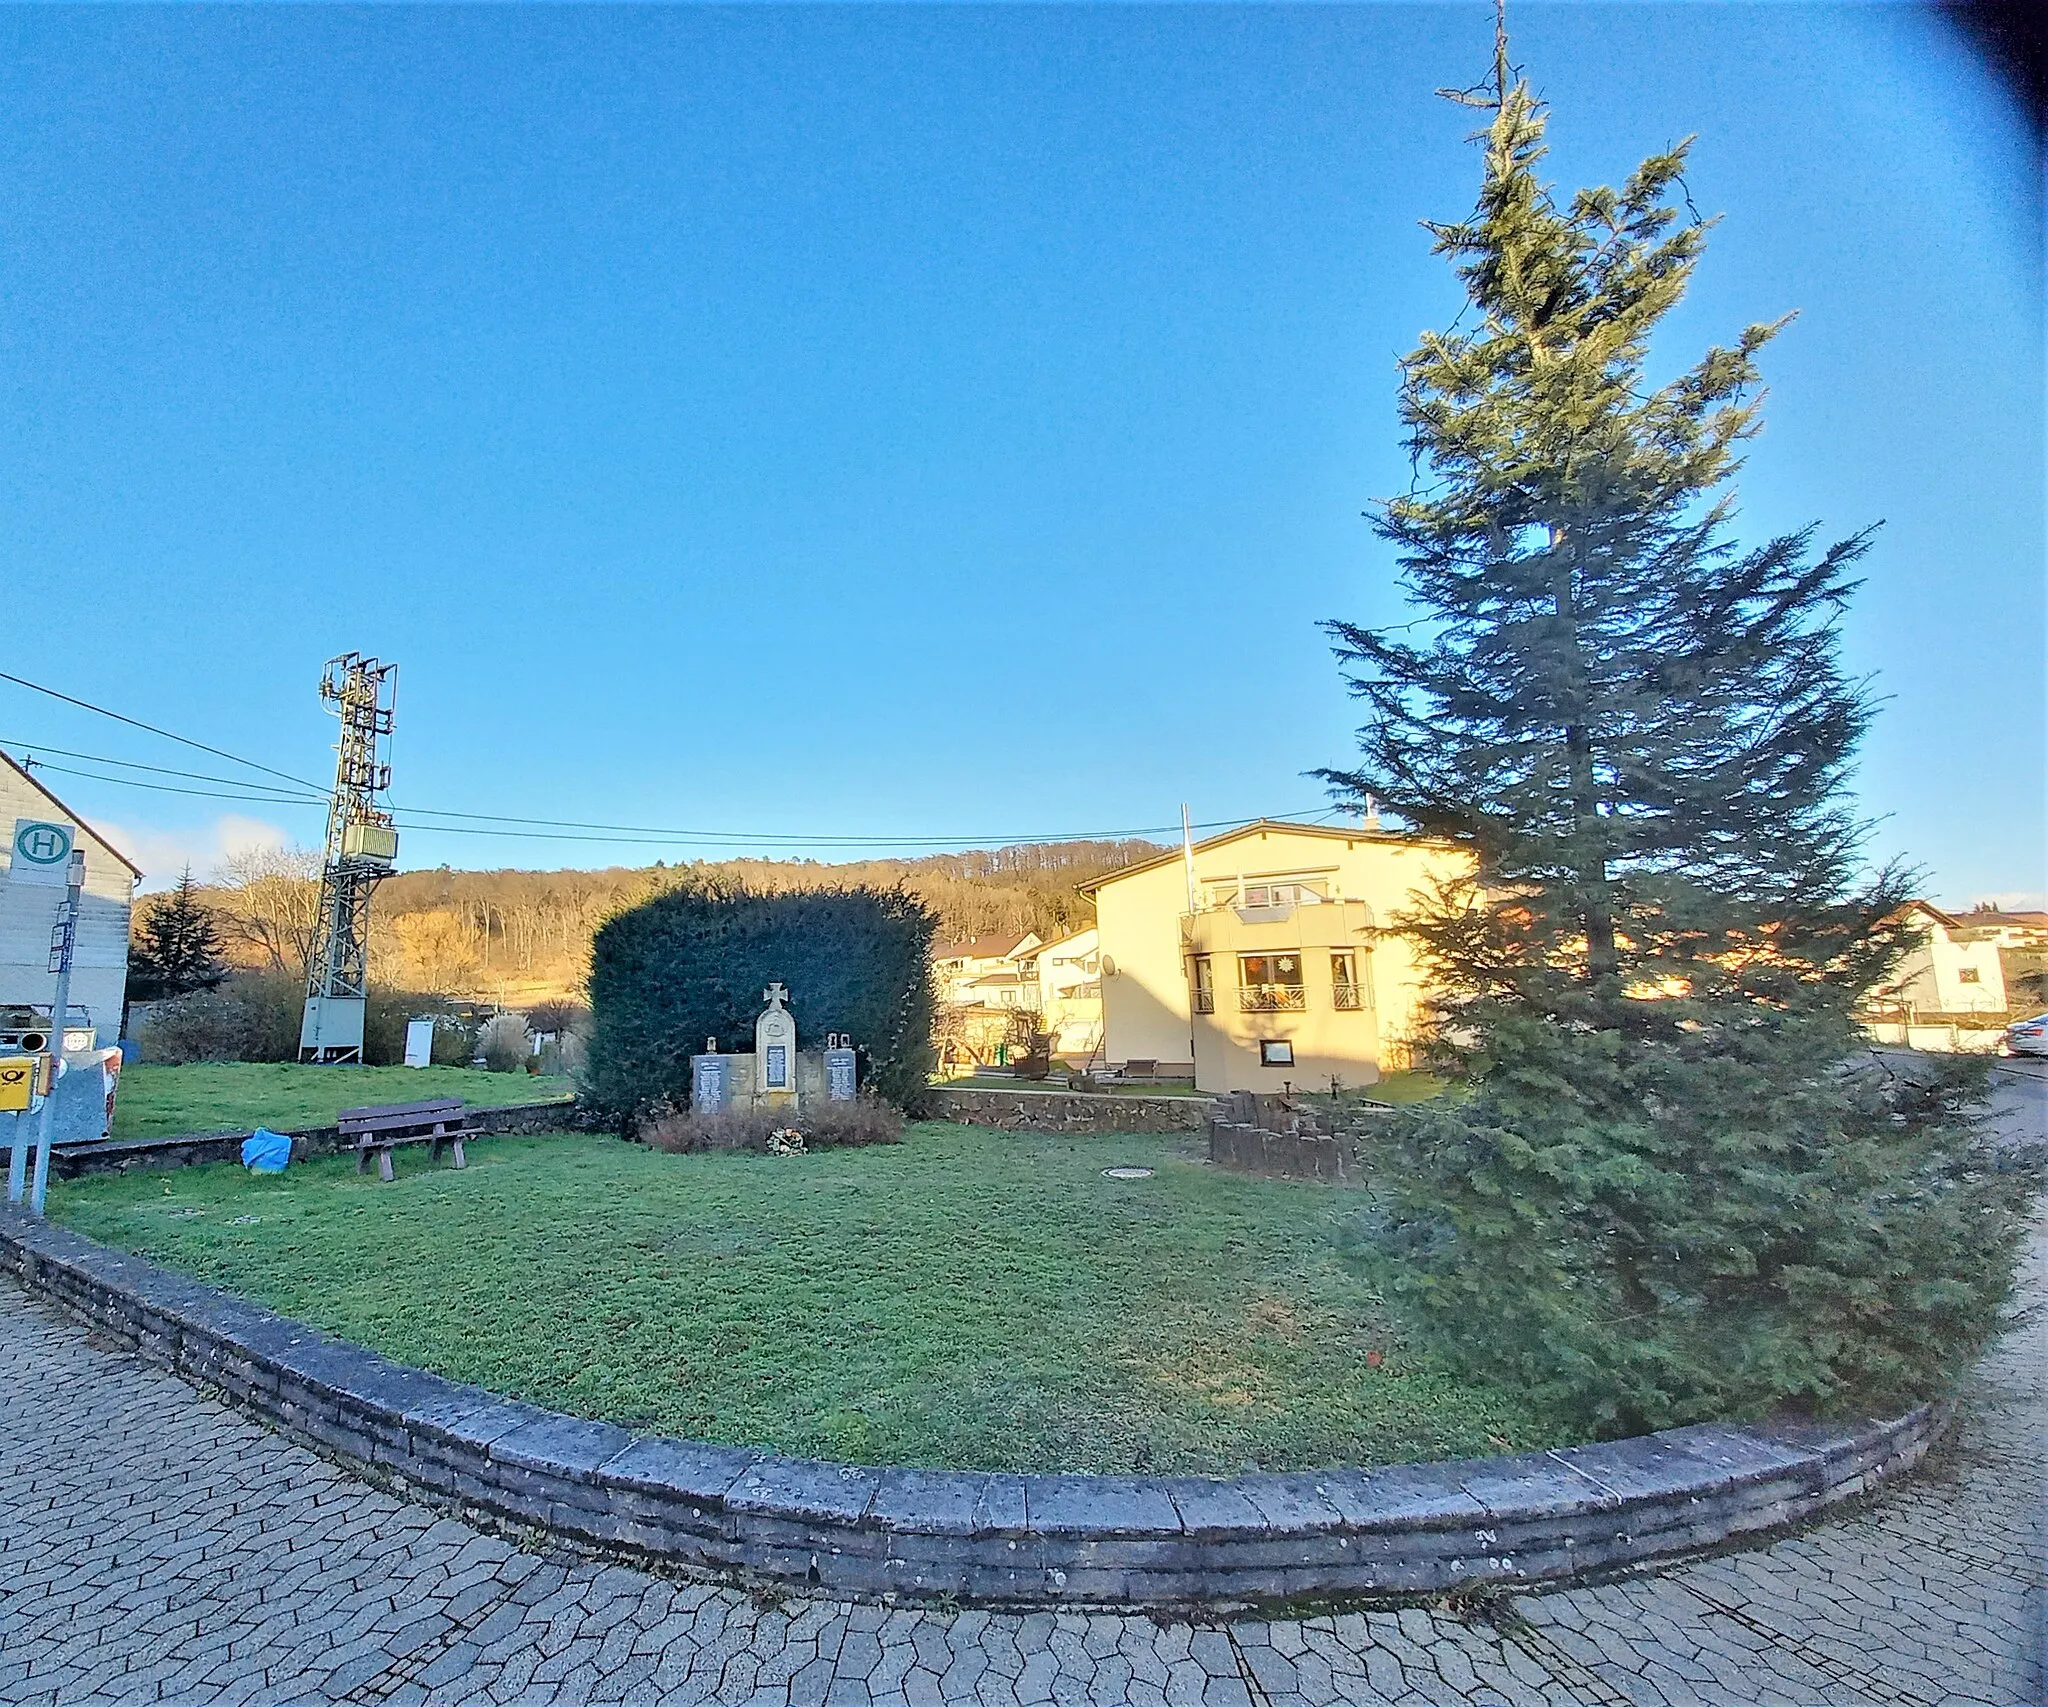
(17, 1082)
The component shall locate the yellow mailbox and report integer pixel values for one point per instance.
(20, 1077)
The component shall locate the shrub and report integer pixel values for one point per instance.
(502, 1052)
(386, 1014)
(692, 963)
(253, 1016)
(825, 1126)
(203, 1026)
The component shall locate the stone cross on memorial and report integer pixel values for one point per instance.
(775, 1048)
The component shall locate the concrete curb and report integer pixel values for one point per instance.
(992, 1538)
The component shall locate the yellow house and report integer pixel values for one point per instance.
(1267, 955)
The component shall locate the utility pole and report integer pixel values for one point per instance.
(362, 847)
(63, 937)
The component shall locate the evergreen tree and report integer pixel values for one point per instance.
(1660, 1195)
(176, 946)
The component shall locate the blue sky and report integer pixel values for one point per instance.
(921, 422)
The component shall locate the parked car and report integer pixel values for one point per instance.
(2027, 1036)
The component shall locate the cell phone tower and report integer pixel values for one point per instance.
(362, 847)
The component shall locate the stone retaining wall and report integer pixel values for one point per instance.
(1163, 1542)
(1069, 1111)
(1289, 1137)
(1248, 1149)
(118, 1155)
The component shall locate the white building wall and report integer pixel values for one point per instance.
(1947, 974)
(28, 912)
(1968, 976)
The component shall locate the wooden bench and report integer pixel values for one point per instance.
(382, 1128)
(1135, 1072)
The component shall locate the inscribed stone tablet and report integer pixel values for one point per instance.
(839, 1074)
(709, 1083)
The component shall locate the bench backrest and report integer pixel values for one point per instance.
(396, 1116)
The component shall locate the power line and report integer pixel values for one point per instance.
(617, 835)
(137, 723)
(530, 829)
(412, 814)
(31, 748)
(278, 799)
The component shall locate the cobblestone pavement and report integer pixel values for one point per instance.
(156, 1545)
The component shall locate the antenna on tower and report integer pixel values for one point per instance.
(362, 847)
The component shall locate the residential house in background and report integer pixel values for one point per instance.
(2007, 930)
(28, 913)
(1956, 969)
(1267, 955)
(1070, 994)
(2022, 942)
(987, 971)
(984, 983)
(1949, 992)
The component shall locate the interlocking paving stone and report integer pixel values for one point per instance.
(160, 1545)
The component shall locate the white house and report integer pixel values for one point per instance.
(1070, 992)
(1955, 969)
(28, 913)
(977, 969)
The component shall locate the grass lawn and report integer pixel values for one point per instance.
(1402, 1088)
(966, 1298)
(236, 1096)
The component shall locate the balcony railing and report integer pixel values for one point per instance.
(1344, 998)
(1272, 998)
(1205, 1001)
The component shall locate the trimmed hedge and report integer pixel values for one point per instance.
(692, 964)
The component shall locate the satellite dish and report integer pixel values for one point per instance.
(1109, 966)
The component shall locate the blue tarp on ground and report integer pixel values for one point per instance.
(266, 1152)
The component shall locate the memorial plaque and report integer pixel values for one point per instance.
(777, 1076)
(839, 1075)
(710, 1083)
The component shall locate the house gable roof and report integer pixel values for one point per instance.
(990, 947)
(1947, 920)
(64, 811)
(1995, 919)
(1336, 832)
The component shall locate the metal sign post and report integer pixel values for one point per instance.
(17, 1159)
(62, 939)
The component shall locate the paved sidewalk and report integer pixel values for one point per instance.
(156, 1545)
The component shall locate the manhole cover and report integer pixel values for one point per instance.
(1127, 1173)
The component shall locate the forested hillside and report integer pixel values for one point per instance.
(521, 936)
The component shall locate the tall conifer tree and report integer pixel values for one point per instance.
(1663, 1197)
(176, 948)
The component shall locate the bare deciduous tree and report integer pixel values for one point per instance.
(269, 901)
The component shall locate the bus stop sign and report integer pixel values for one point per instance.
(41, 853)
